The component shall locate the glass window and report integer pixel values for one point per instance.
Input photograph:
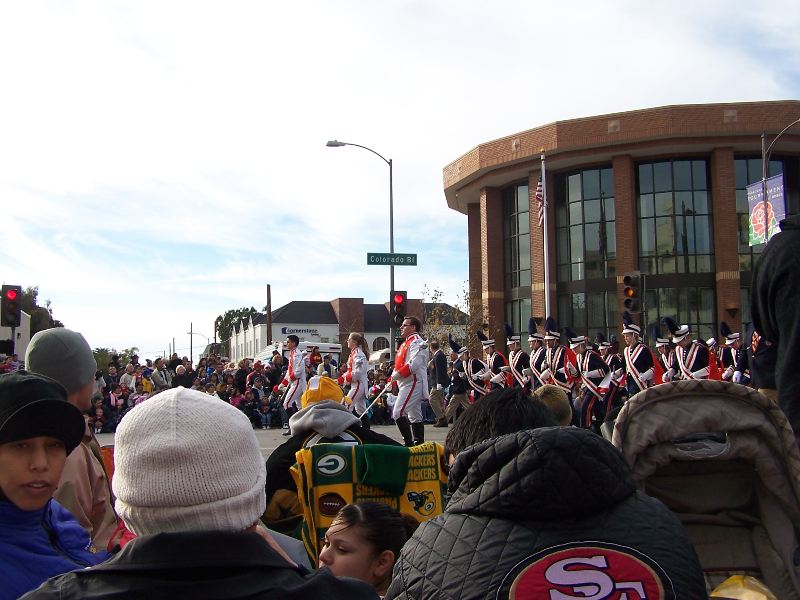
(518, 312)
(380, 343)
(586, 240)
(646, 205)
(516, 237)
(662, 176)
(674, 220)
(690, 306)
(589, 313)
(591, 184)
(663, 204)
(647, 237)
(682, 170)
(591, 211)
(646, 179)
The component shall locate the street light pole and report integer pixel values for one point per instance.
(388, 161)
(766, 153)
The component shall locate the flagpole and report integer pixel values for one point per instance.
(547, 312)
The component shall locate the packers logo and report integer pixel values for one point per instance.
(587, 571)
(424, 502)
(331, 464)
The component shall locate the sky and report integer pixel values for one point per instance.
(163, 161)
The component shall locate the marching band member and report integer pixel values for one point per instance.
(642, 370)
(693, 358)
(411, 374)
(356, 376)
(537, 355)
(729, 353)
(294, 382)
(518, 360)
(495, 376)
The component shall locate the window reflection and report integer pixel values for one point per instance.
(516, 237)
(675, 224)
(586, 245)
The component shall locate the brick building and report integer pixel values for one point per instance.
(659, 190)
(329, 321)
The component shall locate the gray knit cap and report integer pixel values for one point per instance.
(185, 461)
(63, 355)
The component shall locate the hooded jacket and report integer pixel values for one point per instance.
(773, 300)
(37, 544)
(325, 421)
(547, 513)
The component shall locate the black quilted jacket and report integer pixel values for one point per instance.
(548, 510)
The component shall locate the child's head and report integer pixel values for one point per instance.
(38, 429)
(98, 412)
(139, 387)
(498, 413)
(211, 388)
(364, 541)
(116, 389)
(556, 400)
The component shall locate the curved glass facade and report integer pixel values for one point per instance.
(674, 207)
(586, 250)
(586, 243)
(517, 255)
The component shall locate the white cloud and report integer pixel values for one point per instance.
(162, 162)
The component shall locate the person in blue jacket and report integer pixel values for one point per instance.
(40, 538)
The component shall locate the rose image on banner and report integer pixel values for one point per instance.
(765, 216)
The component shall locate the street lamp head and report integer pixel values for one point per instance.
(335, 144)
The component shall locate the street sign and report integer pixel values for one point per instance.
(397, 259)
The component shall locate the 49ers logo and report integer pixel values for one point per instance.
(587, 571)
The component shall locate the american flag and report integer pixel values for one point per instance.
(539, 202)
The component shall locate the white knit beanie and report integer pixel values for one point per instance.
(186, 461)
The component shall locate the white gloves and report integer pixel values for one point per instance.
(527, 372)
(505, 369)
(546, 374)
(701, 374)
(618, 374)
(737, 377)
(667, 377)
(438, 386)
(387, 387)
(499, 378)
(647, 375)
(596, 373)
(728, 373)
(395, 375)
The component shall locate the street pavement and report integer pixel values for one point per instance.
(269, 439)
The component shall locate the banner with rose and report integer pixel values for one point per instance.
(765, 216)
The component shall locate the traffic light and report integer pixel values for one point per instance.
(10, 311)
(397, 307)
(632, 291)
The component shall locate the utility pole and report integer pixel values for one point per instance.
(269, 315)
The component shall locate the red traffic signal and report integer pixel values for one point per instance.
(10, 310)
(397, 307)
